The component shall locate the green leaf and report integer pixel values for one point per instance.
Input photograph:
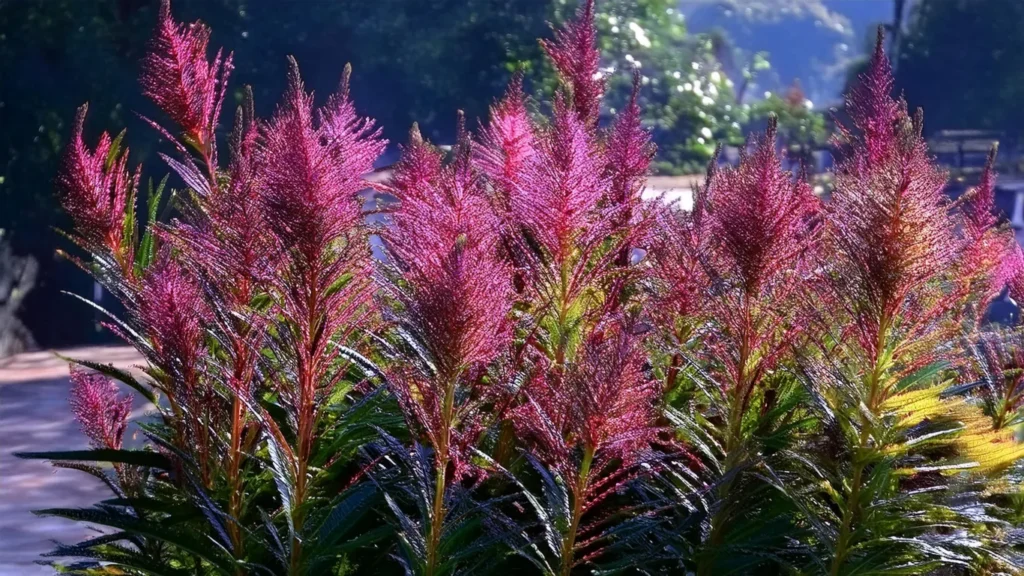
(129, 224)
(118, 374)
(120, 323)
(283, 479)
(146, 458)
(115, 150)
(347, 513)
(186, 541)
(924, 375)
(147, 248)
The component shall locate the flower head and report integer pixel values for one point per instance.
(101, 411)
(177, 76)
(507, 143)
(760, 215)
(679, 249)
(312, 165)
(225, 233)
(576, 57)
(1010, 273)
(1001, 366)
(559, 201)
(630, 152)
(888, 215)
(452, 288)
(987, 248)
(980, 208)
(225, 240)
(172, 316)
(603, 402)
(95, 187)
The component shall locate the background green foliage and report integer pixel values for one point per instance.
(413, 61)
(802, 129)
(961, 61)
(689, 102)
(421, 61)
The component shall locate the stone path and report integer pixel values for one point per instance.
(35, 416)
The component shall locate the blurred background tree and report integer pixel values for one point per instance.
(961, 61)
(688, 100)
(711, 71)
(413, 61)
(802, 129)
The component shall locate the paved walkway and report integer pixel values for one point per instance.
(35, 416)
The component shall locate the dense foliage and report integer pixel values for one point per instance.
(540, 372)
(414, 61)
(970, 48)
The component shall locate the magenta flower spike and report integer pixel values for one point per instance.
(1002, 366)
(456, 291)
(559, 199)
(452, 293)
(95, 187)
(312, 164)
(172, 315)
(630, 153)
(507, 144)
(177, 76)
(574, 53)
(988, 257)
(760, 216)
(594, 425)
(888, 213)
(101, 411)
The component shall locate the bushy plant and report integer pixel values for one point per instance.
(539, 372)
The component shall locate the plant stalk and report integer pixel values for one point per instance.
(733, 445)
(852, 510)
(234, 477)
(443, 457)
(569, 540)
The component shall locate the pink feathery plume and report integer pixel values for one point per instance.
(630, 152)
(95, 187)
(507, 143)
(1001, 365)
(987, 246)
(1010, 273)
(454, 291)
(629, 155)
(760, 215)
(172, 316)
(889, 216)
(575, 55)
(418, 169)
(679, 248)
(873, 110)
(225, 234)
(312, 166)
(355, 138)
(226, 239)
(177, 76)
(560, 197)
(980, 208)
(603, 404)
(760, 219)
(100, 410)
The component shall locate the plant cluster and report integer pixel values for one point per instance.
(539, 371)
